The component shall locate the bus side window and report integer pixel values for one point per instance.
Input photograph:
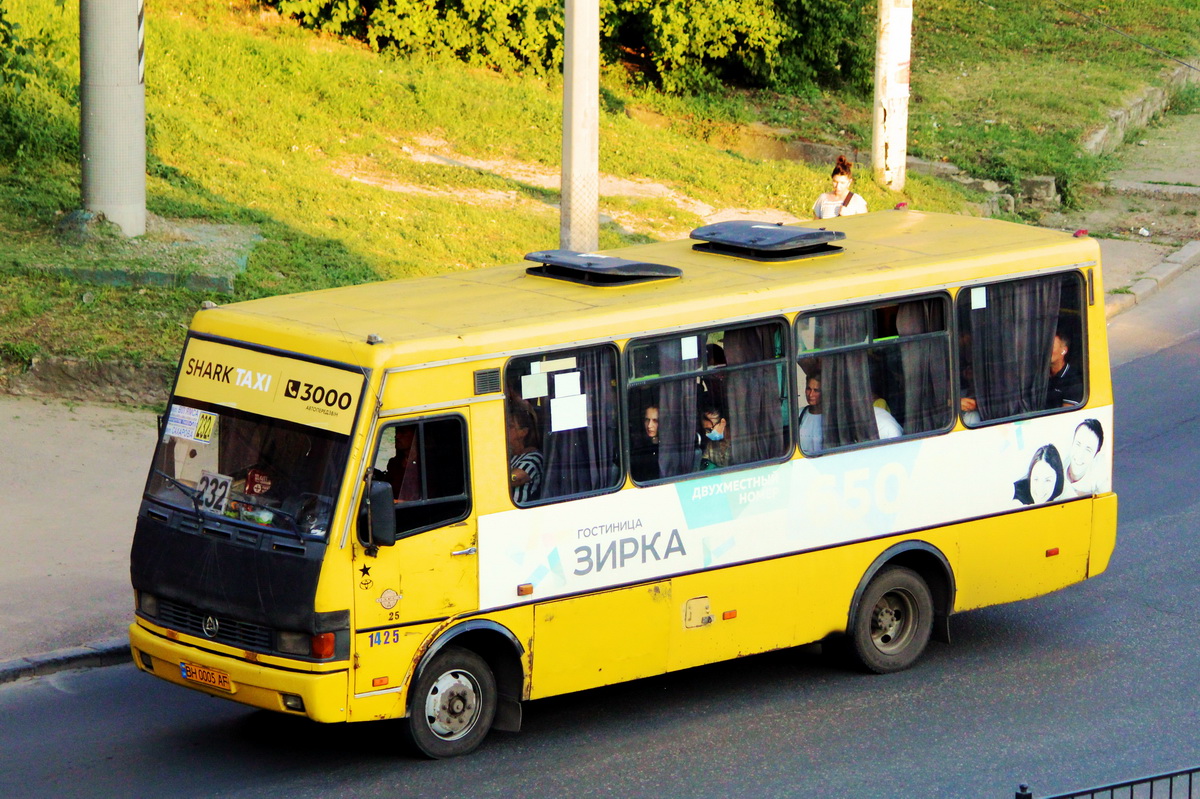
(873, 373)
(707, 400)
(426, 463)
(562, 425)
(1021, 347)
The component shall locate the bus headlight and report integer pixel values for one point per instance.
(293, 643)
(147, 604)
(320, 646)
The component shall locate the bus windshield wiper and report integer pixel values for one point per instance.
(186, 490)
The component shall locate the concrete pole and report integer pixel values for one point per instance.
(580, 219)
(889, 139)
(112, 117)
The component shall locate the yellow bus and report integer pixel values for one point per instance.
(434, 499)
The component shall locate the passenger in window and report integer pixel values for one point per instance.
(1085, 446)
(887, 424)
(1044, 481)
(810, 417)
(812, 432)
(645, 448)
(404, 468)
(1066, 383)
(841, 201)
(716, 453)
(966, 380)
(524, 457)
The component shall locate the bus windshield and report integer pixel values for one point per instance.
(221, 462)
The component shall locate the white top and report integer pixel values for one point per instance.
(887, 424)
(828, 206)
(810, 432)
(1085, 486)
(812, 429)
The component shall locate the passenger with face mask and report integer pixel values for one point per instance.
(716, 450)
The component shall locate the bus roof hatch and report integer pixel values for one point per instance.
(592, 269)
(766, 241)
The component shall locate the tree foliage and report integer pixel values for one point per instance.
(680, 45)
(39, 97)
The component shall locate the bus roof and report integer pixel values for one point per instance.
(502, 309)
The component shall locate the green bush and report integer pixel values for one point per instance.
(832, 44)
(39, 99)
(680, 45)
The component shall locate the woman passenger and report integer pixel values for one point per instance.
(524, 459)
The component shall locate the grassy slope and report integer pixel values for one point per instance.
(1003, 88)
(249, 117)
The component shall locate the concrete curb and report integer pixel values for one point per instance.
(1153, 279)
(99, 653)
(1153, 189)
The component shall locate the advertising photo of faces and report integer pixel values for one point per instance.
(1051, 477)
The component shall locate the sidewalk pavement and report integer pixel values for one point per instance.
(73, 475)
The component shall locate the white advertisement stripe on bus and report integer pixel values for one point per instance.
(710, 521)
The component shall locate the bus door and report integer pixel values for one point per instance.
(431, 572)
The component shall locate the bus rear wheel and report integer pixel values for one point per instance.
(893, 621)
(452, 704)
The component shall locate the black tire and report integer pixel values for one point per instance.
(452, 704)
(892, 622)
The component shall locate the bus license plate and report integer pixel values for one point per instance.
(205, 676)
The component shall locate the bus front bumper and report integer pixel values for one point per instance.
(320, 696)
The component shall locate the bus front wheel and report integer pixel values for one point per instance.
(893, 621)
(452, 704)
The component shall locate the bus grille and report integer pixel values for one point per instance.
(229, 631)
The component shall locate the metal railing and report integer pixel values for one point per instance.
(1175, 785)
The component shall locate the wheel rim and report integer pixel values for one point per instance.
(452, 705)
(893, 621)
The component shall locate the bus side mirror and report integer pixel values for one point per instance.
(381, 514)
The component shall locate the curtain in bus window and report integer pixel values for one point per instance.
(846, 380)
(678, 409)
(586, 459)
(925, 365)
(1012, 331)
(754, 395)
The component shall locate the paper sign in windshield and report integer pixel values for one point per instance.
(190, 423)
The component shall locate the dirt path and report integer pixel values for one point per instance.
(427, 150)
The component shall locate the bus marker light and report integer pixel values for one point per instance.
(729, 614)
(524, 589)
(1051, 552)
(379, 682)
(322, 645)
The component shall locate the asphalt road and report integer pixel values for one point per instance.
(1089, 685)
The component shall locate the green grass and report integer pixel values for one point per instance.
(252, 120)
(1012, 88)
(1005, 89)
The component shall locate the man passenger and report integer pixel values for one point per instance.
(1065, 388)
